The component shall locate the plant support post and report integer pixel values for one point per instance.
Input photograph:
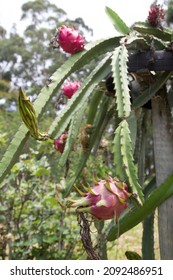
(163, 152)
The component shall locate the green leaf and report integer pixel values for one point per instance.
(50, 239)
(117, 22)
(119, 69)
(137, 215)
(152, 90)
(124, 162)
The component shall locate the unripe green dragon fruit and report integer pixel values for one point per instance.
(105, 200)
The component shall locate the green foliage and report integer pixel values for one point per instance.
(38, 227)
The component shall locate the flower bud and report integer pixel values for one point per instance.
(28, 113)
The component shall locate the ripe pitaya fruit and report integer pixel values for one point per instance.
(156, 15)
(59, 143)
(105, 200)
(70, 88)
(70, 40)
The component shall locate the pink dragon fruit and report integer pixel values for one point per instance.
(156, 15)
(105, 200)
(70, 88)
(59, 143)
(70, 40)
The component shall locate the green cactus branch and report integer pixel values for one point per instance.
(118, 159)
(123, 158)
(117, 22)
(148, 238)
(108, 116)
(13, 151)
(119, 71)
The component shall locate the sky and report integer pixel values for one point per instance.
(92, 11)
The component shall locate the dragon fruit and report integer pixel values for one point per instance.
(156, 15)
(70, 40)
(105, 200)
(59, 143)
(70, 88)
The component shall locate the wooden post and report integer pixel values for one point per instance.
(163, 152)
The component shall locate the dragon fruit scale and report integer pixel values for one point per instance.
(59, 143)
(70, 88)
(70, 40)
(105, 200)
